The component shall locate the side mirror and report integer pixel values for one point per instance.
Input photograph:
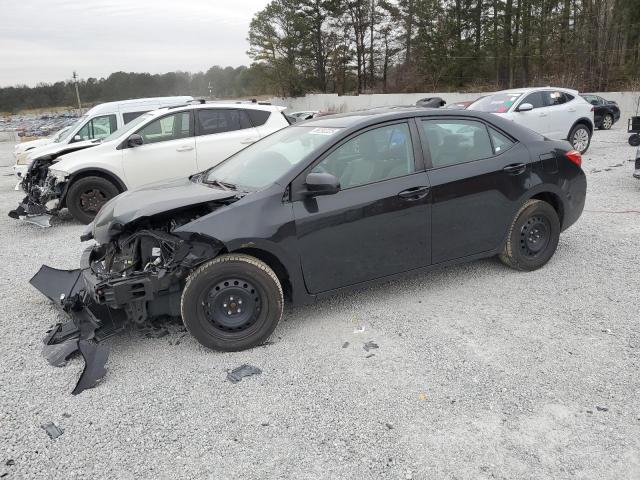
(134, 140)
(321, 184)
(525, 107)
(77, 138)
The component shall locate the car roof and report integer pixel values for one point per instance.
(229, 105)
(135, 102)
(377, 115)
(534, 89)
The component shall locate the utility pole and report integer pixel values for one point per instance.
(75, 80)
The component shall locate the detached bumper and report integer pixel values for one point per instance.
(89, 324)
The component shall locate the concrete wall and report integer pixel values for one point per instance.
(627, 101)
(9, 137)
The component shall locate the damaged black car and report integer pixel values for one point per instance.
(323, 206)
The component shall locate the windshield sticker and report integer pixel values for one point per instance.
(323, 131)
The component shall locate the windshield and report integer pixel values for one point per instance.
(72, 127)
(60, 135)
(498, 103)
(127, 128)
(262, 163)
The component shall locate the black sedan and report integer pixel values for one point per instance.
(323, 206)
(605, 112)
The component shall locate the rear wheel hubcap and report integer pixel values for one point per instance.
(607, 122)
(580, 139)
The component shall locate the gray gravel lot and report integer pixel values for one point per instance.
(481, 372)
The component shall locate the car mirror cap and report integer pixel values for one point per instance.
(134, 140)
(321, 184)
(525, 107)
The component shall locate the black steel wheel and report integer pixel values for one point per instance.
(232, 302)
(533, 236)
(87, 195)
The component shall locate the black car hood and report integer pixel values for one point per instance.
(151, 200)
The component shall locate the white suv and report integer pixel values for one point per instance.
(556, 113)
(165, 144)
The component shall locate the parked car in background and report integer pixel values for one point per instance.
(99, 122)
(304, 115)
(606, 112)
(157, 146)
(21, 148)
(557, 113)
(321, 207)
(461, 105)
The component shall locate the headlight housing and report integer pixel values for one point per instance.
(59, 175)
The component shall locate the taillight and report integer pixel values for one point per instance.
(575, 156)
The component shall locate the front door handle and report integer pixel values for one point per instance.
(185, 148)
(515, 168)
(249, 141)
(415, 193)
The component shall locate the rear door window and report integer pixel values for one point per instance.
(553, 98)
(258, 117)
(128, 116)
(212, 121)
(453, 142)
(501, 143)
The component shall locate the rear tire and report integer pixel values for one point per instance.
(86, 196)
(233, 302)
(533, 237)
(580, 137)
(607, 122)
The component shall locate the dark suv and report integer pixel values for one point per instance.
(322, 206)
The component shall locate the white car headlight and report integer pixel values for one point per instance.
(59, 175)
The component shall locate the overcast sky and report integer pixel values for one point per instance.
(45, 40)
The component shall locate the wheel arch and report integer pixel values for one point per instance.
(552, 199)
(583, 120)
(274, 263)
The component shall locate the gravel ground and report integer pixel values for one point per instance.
(481, 372)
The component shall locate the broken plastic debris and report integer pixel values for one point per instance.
(345, 344)
(52, 430)
(370, 345)
(95, 357)
(237, 374)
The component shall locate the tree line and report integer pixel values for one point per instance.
(381, 46)
(216, 82)
(437, 45)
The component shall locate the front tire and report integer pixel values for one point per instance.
(533, 236)
(233, 302)
(580, 137)
(87, 195)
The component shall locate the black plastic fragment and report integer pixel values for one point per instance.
(95, 357)
(52, 430)
(345, 344)
(53, 283)
(237, 374)
(370, 345)
(57, 354)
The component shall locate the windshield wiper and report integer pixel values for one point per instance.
(222, 185)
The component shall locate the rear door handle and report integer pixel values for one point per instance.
(415, 193)
(186, 148)
(515, 168)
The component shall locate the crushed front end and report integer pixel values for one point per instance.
(138, 275)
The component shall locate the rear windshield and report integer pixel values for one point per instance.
(497, 103)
